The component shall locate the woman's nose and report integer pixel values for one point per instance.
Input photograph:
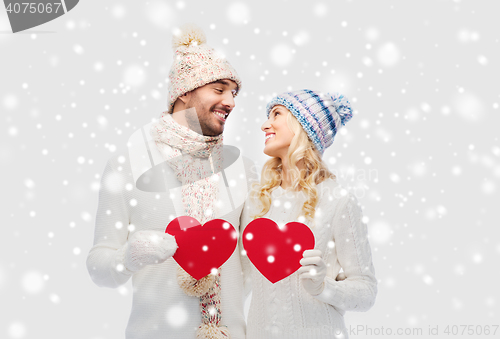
(265, 125)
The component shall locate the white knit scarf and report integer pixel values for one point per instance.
(196, 160)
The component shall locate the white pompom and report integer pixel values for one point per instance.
(188, 35)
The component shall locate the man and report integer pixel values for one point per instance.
(175, 167)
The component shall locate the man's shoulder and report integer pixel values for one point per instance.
(119, 158)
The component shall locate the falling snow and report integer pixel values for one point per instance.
(17, 330)
(33, 282)
(388, 54)
(177, 316)
(238, 13)
(282, 55)
(421, 154)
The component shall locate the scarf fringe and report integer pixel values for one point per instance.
(210, 331)
(193, 287)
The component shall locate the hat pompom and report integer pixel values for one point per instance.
(188, 35)
(343, 107)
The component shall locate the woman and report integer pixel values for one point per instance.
(297, 186)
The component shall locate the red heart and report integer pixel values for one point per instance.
(202, 247)
(275, 251)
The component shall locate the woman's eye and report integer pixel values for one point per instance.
(219, 90)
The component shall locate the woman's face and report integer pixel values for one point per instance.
(278, 134)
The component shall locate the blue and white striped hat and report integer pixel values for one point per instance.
(320, 114)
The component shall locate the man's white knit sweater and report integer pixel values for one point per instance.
(285, 309)
(160, 309)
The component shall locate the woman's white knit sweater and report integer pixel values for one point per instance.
(285, 309)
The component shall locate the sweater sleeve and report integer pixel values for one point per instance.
(358, 291)
(105, 259)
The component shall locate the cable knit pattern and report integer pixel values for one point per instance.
(272, 309)
(287, 308)
(342, 238)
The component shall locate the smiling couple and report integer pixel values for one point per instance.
(201, 178)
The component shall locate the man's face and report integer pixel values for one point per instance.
(213, 102)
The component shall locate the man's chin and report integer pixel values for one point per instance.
(213, 133)
(218, 129)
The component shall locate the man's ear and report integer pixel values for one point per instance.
(185, 97)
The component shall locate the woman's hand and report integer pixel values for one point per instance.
(313, 272)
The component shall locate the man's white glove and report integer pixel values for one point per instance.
(313, 272)
(146, 248)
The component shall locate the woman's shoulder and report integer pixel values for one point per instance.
(330, 190)
(329, 182)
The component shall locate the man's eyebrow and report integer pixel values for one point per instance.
(223, 82)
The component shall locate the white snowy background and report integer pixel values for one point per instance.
(422, 152)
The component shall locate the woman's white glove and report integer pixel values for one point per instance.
(313, 272)
(146, 248)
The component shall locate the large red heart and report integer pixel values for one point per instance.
(276, 251)
(202, 247)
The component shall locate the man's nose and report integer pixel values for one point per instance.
(228, 101)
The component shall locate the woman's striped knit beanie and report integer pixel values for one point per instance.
(320, 114)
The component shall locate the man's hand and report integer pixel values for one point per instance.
(148, 247)
(313, 272)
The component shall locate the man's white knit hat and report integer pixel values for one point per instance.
(195, 64)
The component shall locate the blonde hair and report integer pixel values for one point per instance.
(315, 171)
